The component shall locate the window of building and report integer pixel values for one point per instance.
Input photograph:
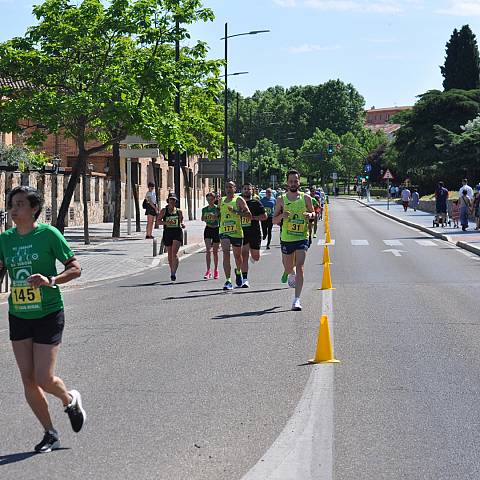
(97, 189)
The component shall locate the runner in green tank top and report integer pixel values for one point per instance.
(295, 209)
(211, 216)
(232, 209)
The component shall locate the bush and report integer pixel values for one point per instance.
(378, 192)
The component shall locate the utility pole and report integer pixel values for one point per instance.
(176, 168)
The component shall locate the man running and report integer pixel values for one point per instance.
(252, 237)
(211, 215)
(232, 208)
(295, 209)
(268, 202)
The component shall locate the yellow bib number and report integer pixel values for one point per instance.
(25, 297)
(268, 211)
(230, 226)
(296, 226)
(172, 222)
(246, 222)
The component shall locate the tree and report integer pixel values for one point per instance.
(96, 72)
(462, 65)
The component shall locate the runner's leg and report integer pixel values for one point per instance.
(288, 263)
(170, 257)
(245, 253)
(174, 249)
(237, 253)
(269, 231)
(208, 252)
(23, 351)
(215, 255)
(300, 256)
(225, 242)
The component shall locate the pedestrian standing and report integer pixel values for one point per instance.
(29, 252)
(151, 208)
(465, 206)
(415, 199)
(211, 215)
(171, 218)
(406, 196)
(476, 207)
(467, 187)
(441, 198)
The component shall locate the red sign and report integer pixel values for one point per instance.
(388, 175)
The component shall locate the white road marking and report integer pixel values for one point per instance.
(155, 262)
(304, 449)
(426, 243)
(393, 243)
(396, 253)
(359, 242)
(322, 242)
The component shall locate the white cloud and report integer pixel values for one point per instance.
(309, 48)
(461, 8)
(286, 3)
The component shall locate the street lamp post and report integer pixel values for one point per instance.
(225, 100)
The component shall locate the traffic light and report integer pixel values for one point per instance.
(366, 177)
(330, 149)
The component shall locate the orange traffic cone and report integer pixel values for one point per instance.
(324, 352)
(326, 279)
(326, 256)
(328, 240)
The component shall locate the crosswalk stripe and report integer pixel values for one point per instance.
(426, 243)
(393, 243)
(359, 242)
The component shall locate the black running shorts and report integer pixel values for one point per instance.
(46, 330)
(171, 234)
(253, 238)
(212, 234)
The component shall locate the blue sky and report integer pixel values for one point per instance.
(390, 50)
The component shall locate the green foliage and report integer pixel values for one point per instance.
(462, 66)
(22, 158)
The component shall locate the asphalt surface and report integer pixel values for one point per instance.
(187, 382)
(179, 381)
(407, 332)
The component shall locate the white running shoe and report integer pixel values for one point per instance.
(296, 307)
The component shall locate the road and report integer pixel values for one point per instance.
(185, 381)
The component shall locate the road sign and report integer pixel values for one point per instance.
(171, 159)
(368, 168)
(273, 178)
(334, 176)
(211, 168)
(242, 166)
(388, 175)
(139, 153)
(134, 139)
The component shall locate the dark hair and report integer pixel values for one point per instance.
(33, 196)
(464, 191)
(292, 172)
(151, 184)
(465, 180)
(210, 194)
(440, 184)
(248, 184)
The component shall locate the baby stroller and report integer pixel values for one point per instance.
(441, 220)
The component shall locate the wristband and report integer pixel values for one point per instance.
(51, 281)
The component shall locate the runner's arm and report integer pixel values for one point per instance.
(180, 218)
(72, 271)
(243, 208)
(161, 215)
(278, 214)
(310, 213)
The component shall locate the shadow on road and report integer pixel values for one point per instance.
(19, 457)
(161, 284)
(217, 291)
(256, 313)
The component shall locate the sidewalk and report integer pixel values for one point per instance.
(469, 240)
(107, 258)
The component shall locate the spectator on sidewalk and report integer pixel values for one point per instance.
(455, 213)
(465, 207)
(415, 199)
(441, 197)
(476, 207)
(151, 208)
(467, 187)
(406, 197)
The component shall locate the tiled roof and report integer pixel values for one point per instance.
(387, 109)
(388, 128)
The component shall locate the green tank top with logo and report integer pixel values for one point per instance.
(230, 223)
(172, 220)
(210, 216)
(295, 227)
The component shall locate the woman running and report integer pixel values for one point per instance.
(211, 215)
(172, 220)
(28, 252)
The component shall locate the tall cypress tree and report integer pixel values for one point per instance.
(462, 65)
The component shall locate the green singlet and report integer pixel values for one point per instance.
(210, 215)
(230, 223)
(25, 255)
(294, 227)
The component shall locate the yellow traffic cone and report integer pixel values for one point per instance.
(328, 240)
(327, 227)
(326, 256)
(324, 352)
(326, 278)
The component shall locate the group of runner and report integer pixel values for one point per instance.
(233, 222)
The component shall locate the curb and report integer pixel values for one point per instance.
(433, 233)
